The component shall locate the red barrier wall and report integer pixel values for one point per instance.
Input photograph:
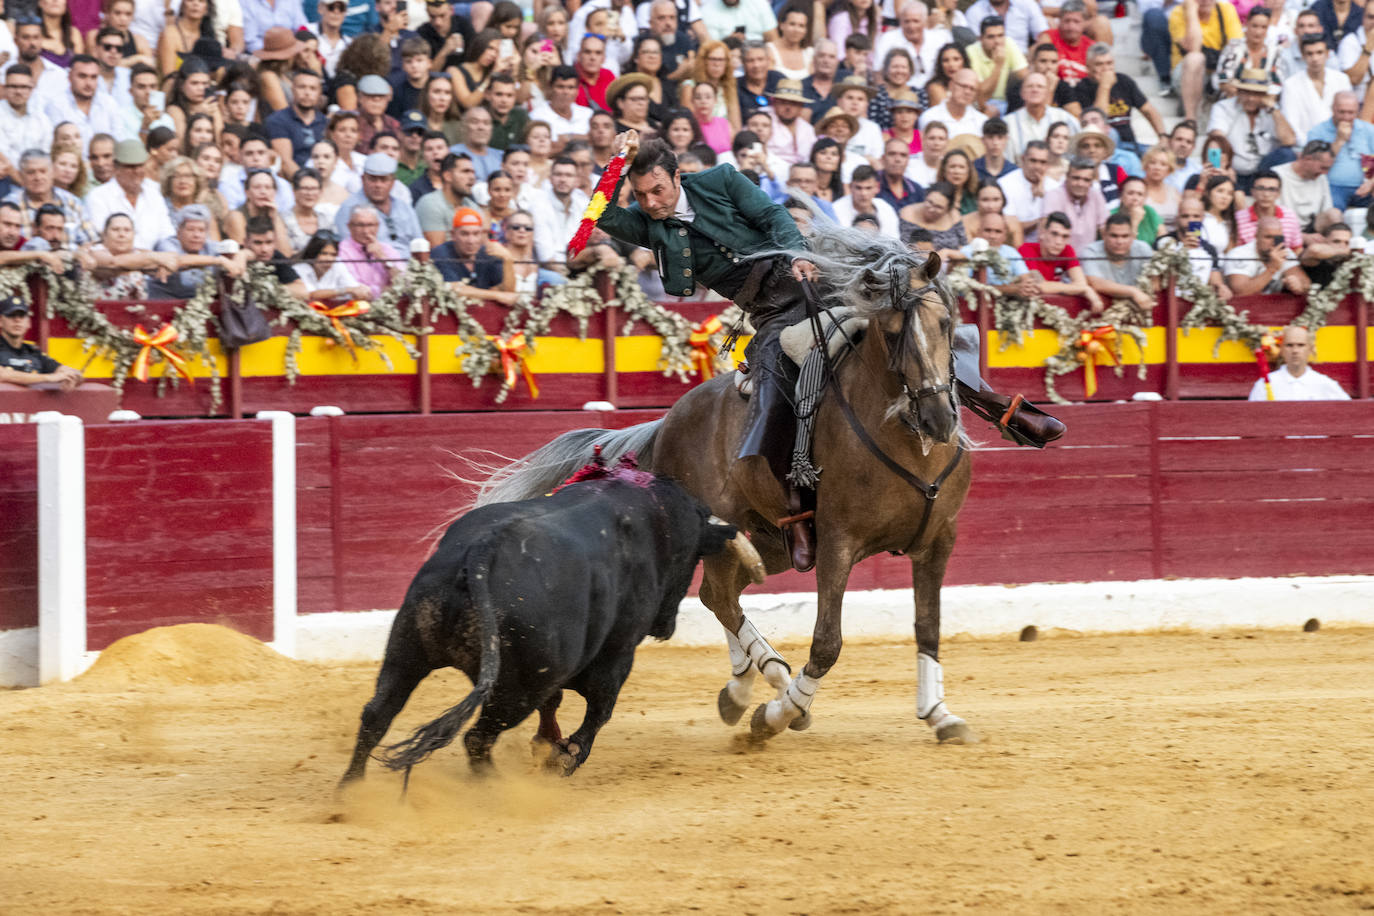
(179, 512)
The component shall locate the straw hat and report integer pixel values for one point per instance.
(834, 114)
(1254, 80)
(279, 43)
(1093, 133)
(622, 85)
(789, 91)
(853, 81)
(905, 98)
(967, 143)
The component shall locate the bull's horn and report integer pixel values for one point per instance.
(744, 551)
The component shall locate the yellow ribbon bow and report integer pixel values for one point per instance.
(349, 309)
(160, 342)
(513, 359)
(1091, 344)
(703, 351)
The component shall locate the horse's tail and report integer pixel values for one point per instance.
(440, 733)
(542, 470)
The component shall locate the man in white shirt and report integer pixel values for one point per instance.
(1306, 190)
(618, 47)
(568, 120)
(1034, 120)
(1353, 55)
(129, 192)
(558, 212)
(957, 112)
(1294, 380)
(724, 17)
(1265, 265)
(851, 96)
(921, 43)
(21, 126)
(1024, 19)
(80, 105)
(1307, 96)
(1025, 188)
(50, 80)
(863, 198)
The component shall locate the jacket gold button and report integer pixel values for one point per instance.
(682, 232)
(686, 252)
(687, 271)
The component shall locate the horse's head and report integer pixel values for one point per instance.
(916, 318)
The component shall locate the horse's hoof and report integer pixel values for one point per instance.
(955, 731)
(730, 711)
(759, 729)
(801, 723)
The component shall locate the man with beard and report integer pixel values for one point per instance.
(79, 103)
(296, 129)
(753, 18)
(400, 225)
(435, 210)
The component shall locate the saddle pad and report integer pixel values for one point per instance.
(798, 339)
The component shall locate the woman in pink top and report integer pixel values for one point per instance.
(850, 16)
(905, 107)
(715, 130)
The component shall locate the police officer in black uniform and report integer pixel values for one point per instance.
(22, 363)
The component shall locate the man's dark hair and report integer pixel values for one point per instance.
(141, 68)
(1058, 217)
(1316, 147)
(562, 72)
(990, 22)
(563, 160)
(49, 210)
(299, 73)
(434, 135)
(1186, 124)
(1267, 173)
(864, 218)
(995, 127)
(259, 225)
(500, 78)
(1131, 178)
(256, 132)
(1310, 38)
(863, 173)
(10, 205)
(689, 158)
(1117, 219)
(704, 153)
(858, 41)
(1044, 47)
(576, 146)
(654, 154)
(753, 176)
(1093, 108)
(743, 140)
(1035, 145)
(82, 59)
(1260, 10)
(414, 47)
(372, 146)
(449, 163)
(1334, 227)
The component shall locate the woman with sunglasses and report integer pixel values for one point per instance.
(713, 66)
(526, 273)
(324, 275)
(183, 185)
(117, 15)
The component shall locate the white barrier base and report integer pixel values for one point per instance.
(969, 610)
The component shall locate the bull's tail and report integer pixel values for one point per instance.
(542, 470)
(440, 733)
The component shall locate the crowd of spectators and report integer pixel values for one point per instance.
(150, 141)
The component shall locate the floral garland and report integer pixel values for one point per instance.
(1354, 275)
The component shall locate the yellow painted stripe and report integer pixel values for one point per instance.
(1335, 344)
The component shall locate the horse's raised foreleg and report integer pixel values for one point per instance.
(722, 581)
(927, 576)
(793, 708)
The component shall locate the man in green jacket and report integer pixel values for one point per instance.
(707, 228)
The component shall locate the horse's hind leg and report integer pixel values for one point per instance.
(722, 581)
(927, 576)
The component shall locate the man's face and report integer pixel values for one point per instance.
(255, 154)
(412, 140)
(18, 90)
(468, 240)
(896, 157)
(374, 106)
(377, 188)
(130, 177)
(101, 160)
(1093, 148)
(1045, 62)
(141, 88)
(85, 77)
(192, 235)
(1132, 195)
(995, 145)
(11, 228)
(861, 193)
(1034, 89)
(501, 96)
(601, 132)
(992, 38)
(663, 21)
(563, 178)
(15, 327)
(433, 151)
(1297, 350)
(826, 59)
(591, 56)
(1053, 239)
(363, 227)
(563, 92)
(1316, 165)
(762, 126)
(262, 245)
(1103, 65)
(1314, 56)
(854, 102)
(1250, 102)
(1071, 27)
(1078, 183)
(109, 51)
(29, 40)
(1117, 240)
(1189, 211)
(657, 192)
(306, 89)
(993, 228)
(389, 146)
(1266, 191)
(803, 178)
(416, 68)
(332, 13)
(1344, 109)
(37, 176)
(52, 229)
(1308, 24)
(1034, 162)
(1268, 235)
(756, 64)
(913, 22)
(1181, 142)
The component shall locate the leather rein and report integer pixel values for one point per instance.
(929, 490)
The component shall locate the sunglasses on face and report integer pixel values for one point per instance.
(336, 7)
(520, 227)
(1267, 187)
(105, 46)
(1276, 239)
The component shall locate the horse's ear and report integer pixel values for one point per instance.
(932, 268)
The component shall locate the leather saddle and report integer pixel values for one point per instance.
(840, 326)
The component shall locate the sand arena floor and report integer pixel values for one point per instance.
(1213, 773)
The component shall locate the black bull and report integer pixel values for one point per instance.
(528, 598)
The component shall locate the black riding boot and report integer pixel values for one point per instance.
(1019, 420)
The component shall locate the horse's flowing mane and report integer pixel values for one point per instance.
(858, 269)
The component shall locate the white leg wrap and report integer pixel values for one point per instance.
(740, 665)
(765, 658)
(930, 692)
(794, 702)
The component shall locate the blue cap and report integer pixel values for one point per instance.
(11, 306)
(414, 120)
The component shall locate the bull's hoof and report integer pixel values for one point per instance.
(562, 759)
(801, 723)
(730, 711)
(759, 729)
(955, 730)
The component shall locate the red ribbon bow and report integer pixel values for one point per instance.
(1099, 341)
(160, 342)
(513, 360)
(348, 310)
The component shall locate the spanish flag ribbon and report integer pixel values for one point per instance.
(1101, 340)
(160, 342)
(601, 198)
(514, 359)
(703, 351)
(350, 309)
(1270, 348)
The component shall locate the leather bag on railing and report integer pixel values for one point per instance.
(240, 324)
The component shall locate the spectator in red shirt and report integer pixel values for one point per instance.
(1056, 261)
(1072, 41)
(592, 78)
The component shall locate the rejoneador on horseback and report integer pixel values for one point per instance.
(845, 443)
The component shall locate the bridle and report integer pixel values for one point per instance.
(929, 490)
(905, 346)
